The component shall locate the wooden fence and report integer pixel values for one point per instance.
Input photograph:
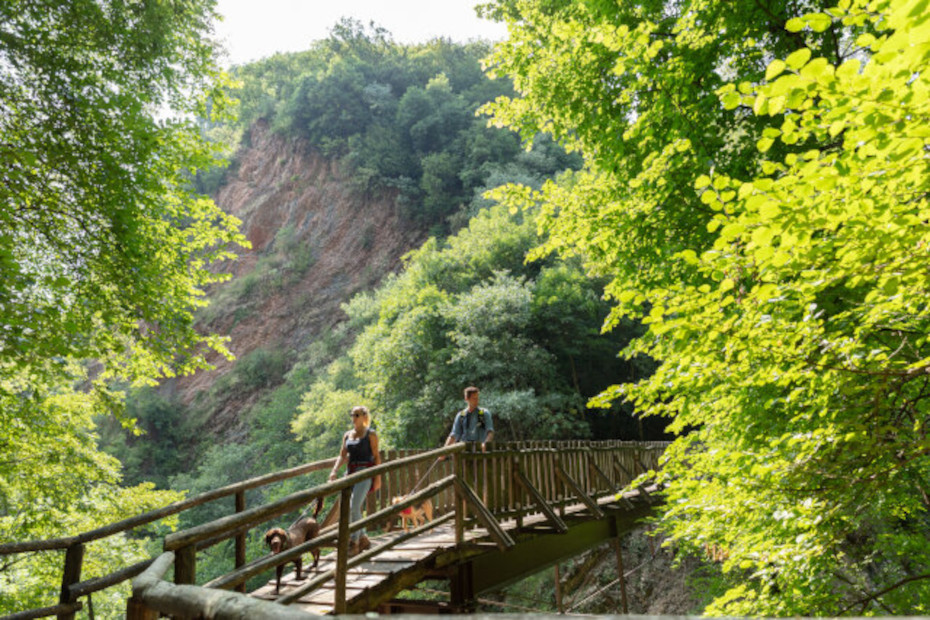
(512, 480)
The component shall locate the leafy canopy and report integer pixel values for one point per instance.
(399, 118)
(470, 311)
(105, 253)
(767, 219)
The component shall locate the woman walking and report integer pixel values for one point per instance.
(360, 450)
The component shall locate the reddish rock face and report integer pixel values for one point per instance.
(315, 243)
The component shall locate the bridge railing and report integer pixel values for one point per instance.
(510, 481)
(74, 588)
(151, 594)
(490, 474)
(476, 489)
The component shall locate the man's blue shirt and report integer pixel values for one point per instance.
(469, 426)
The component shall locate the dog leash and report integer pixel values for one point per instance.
(305, 512)
(422, 478)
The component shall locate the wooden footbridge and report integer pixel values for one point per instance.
(499, 517)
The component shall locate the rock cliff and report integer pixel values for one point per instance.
(315, 243)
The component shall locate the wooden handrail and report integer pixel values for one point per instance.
(282, 506)
(490, 474)
(53, 544)
(192, 601)
(44, 612)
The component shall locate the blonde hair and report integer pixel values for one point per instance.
(363, 411)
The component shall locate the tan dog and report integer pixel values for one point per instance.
(414, 516)
(300, 532)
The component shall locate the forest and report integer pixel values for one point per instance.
(694, 219)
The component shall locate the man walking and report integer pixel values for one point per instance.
(473, 423)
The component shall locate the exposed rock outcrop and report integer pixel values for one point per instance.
(315, 243)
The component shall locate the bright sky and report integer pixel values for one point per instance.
(254, 29)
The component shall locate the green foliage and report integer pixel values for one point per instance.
(767, 220)
(54, 482)
(396, 116)
(159, 441)
(104, 250)
(467, 311)
(105, 253)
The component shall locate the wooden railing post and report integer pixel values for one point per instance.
(240, 539)
(137, 610)
(185, 565)
(74, 558)
(458, 463)
(342, 551)
(518, 491)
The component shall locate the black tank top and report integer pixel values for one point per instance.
(359, 450)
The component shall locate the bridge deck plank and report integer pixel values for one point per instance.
(405, 556)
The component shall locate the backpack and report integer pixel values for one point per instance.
(481, 423)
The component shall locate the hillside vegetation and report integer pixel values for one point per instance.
(735, 192)
(322, 311)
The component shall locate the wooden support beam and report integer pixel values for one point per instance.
(579, 493)
(137, 610)
(185, 565)
(618, 466)
(518, 497)
(342, 551)
(616, 544)
(541, 502)
(459, 467)
(502, 538)
(641, 489)
(462, 589)
(618, 493)
(240, 539)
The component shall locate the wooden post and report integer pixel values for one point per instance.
(342, 551)
(185, 565)
(240, 540)
(458, 464)
(558, 590)
(461, 589)
(616, 543)
(74, 558)
(136, 610)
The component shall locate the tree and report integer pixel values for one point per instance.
(784, 298)
(105, 250)
(469, 311)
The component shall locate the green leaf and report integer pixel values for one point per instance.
(798, 59)
(818, 22)
(795, 24)
(775, 68)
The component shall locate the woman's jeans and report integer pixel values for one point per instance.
(356, 503)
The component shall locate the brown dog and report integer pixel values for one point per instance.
(414, 516)
(301, 531)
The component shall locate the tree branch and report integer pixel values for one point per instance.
(875, 595)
